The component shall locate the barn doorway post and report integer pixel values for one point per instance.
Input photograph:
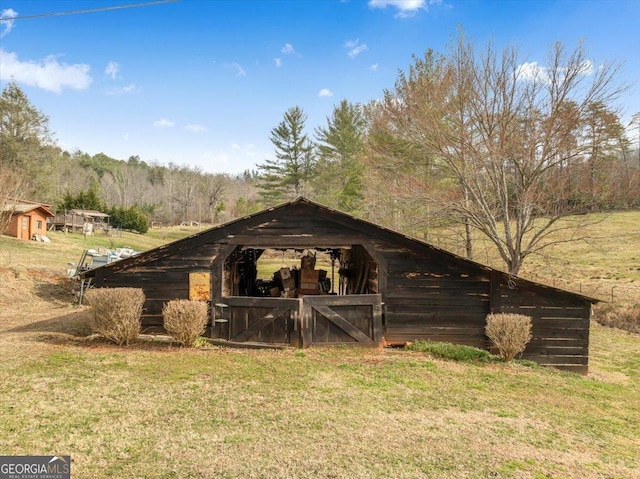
(217, 266)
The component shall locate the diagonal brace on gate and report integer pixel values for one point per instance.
(262, 323)
(342, 323)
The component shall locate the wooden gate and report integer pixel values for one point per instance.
(262, 320)
(354, 320)
(304, 322)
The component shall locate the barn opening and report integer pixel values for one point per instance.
(296, 272)
(300, 296)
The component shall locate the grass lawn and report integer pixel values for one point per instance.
(156, 411)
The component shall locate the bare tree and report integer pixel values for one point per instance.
(184, 189)
(12, 187)
(503, 129)
(635, 121)
(118, 184)
(212, 191)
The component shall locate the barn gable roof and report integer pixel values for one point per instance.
(296, 207)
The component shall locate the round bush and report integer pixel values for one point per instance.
(510, 333)
(116, 313)
(185, 320)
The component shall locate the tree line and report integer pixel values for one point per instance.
(33, 167)
(469, 140)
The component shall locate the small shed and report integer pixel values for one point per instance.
(28, 219)
(393, 288)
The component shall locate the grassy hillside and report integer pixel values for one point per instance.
(66, 248)
(155, 411)
(608, 259)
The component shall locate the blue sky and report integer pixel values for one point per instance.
(202, 82)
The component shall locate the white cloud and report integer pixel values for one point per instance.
(163, 123)
(112, 69)
(130, 88)
(406, 8)
(238, 68)
(195, 128)
(374, 67)
(531, 71)
(48, 74)
(250, 150)
(6, 21)
(278, 62)
(126, 137)
(325, 92)
(288, 49)
(247, 150)
(355, 48)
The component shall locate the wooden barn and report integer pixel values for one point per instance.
(390, 288)
(28, 219)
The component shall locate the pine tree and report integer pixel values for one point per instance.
(287, 176)
(27, 147)
(341, 145)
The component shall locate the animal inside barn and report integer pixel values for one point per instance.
(390, 289)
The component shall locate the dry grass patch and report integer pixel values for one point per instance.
(622, 316)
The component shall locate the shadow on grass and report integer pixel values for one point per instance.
(54, 290)
(72, 329)
(74, 324)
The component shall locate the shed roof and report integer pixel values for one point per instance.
(89, 213)
(238, 225)
(23, 208)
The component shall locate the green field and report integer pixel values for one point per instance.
(152, 410)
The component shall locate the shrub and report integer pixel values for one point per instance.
(185, 320)
(509, 333)
(454, 352)
(132, 218)
(622, 316)
(116, 313)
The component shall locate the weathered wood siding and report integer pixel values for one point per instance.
(428, 297)
(560, 325)
(162, 280)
